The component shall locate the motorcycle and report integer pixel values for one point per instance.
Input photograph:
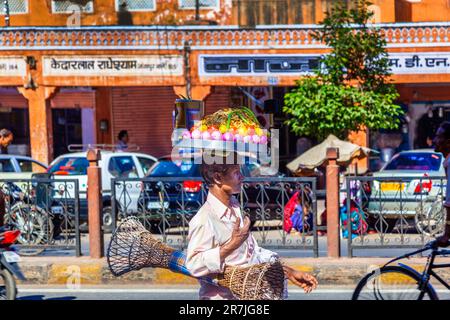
(9, 267)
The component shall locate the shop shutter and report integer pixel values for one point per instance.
(146, 113)
(12, 100)
(218, 99)
(73, 99)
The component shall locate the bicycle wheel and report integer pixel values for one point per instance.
(392, 283)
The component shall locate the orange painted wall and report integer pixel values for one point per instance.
(431, 10)
(168, 13)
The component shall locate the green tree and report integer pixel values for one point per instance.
(352, 89)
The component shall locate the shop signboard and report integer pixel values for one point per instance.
(13, 67)
(113, 66)
(279, 65)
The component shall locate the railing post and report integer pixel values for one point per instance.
(94, 204)
(332, 204)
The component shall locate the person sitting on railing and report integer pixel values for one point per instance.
(442, 143)
(219, 235)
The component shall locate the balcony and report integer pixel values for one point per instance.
(205, 37)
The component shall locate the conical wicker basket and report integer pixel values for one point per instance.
(132, 247)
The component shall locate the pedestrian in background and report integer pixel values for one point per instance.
(6, 138)
(122, 144)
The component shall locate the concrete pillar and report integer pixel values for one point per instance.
(96, 244)
(332, 204)
(41, 132)
(197, 92)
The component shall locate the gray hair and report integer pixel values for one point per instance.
(5, 133)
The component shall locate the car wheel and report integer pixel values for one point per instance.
(107, 220)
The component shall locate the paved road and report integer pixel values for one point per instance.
(133, 293)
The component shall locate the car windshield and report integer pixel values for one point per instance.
(424, 161)
(177, 168)
(70, 166)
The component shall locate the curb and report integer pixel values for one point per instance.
(76, 271)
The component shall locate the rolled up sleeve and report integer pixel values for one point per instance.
(203, 256)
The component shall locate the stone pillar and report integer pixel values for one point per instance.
(41, 132)
(332, 204)
(94, 196)
(197, 92)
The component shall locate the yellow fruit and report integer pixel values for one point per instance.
(223, 128)
(203, 128)
(259, 131)
(242, 131)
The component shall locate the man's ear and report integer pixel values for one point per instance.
(217, 178)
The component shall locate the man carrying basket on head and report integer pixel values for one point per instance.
(219, 235)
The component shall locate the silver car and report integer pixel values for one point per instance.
(411, 185)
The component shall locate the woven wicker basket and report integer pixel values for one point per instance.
(132, 247)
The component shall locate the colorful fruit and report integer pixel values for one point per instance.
(259, 131)
(186, 135)
(263, 140)
(237, 137)
(206, 135)
(228, 136)
(223, 128)
(247, 139)
(203, 128)
(250, 131)
(216, 135)
(242, 131)
(255, 138)
(196, 134)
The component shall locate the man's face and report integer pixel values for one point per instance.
(125, 138)
(6, 141)
(232, 181)
(442, 144)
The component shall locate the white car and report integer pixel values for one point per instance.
(19, 167)
(16, 167)
(113, 165)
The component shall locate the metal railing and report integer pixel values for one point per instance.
(166, 205)
(392, 212)
(46, 211)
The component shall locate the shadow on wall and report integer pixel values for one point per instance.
(124, 17)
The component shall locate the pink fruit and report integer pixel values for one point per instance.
(250, 131)
(227, 136)
(216, 135)
(247, 139)
(186, 135)
(237, 137)
(196, 134)
(263, 139)
(256, 138)
(206, 135)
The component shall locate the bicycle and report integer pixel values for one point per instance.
(401, 282)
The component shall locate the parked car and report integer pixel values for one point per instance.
(113, 165)
(180, 194)
(19, 167)
(411, 184)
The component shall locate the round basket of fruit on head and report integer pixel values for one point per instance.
(228, 125)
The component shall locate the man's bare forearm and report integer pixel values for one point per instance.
(225, 251)
(447, 222)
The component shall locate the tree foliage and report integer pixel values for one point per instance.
(351, 90)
